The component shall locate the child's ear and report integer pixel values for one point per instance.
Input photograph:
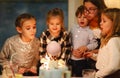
(19, 30)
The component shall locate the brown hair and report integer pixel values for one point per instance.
(80, 10)
(55, 13)
(22, 18)
(114, 15)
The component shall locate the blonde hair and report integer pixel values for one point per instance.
(114, 15)
(56, 12)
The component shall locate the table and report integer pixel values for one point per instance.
(27, 76)
(76, 77)
(30, 77)
(38, 77)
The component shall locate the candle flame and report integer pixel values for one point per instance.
(49, 63)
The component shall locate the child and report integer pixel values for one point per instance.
(55, 32)
(22, 50)
(83, 40)
(108, 60)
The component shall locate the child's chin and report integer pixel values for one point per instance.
(32, 38)
(55, 32)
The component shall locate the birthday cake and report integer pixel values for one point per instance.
(51, 66)
(53, 69)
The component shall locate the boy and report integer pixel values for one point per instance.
(83, 40)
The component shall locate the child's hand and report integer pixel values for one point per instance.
(77, 53)
(82, 49)
(21, 70)
(88, 54)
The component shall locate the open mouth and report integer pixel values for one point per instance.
(81, 22)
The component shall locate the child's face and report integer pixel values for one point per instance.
(106, 25)
(27, 30)
(82, 20)
(54, 24)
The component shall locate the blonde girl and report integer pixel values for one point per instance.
(55, 32)
(108, 60)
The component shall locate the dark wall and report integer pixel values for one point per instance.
(10, 9)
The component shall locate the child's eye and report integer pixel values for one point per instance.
(57, 24)
(79, 16)
(104, 21)
(51, 23)
(34, 27)
(28, 28)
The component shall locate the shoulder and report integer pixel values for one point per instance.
(45, 33)
(13, 38)
(90, 31)
(74, 27)
(114, 40)
(65, 32)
